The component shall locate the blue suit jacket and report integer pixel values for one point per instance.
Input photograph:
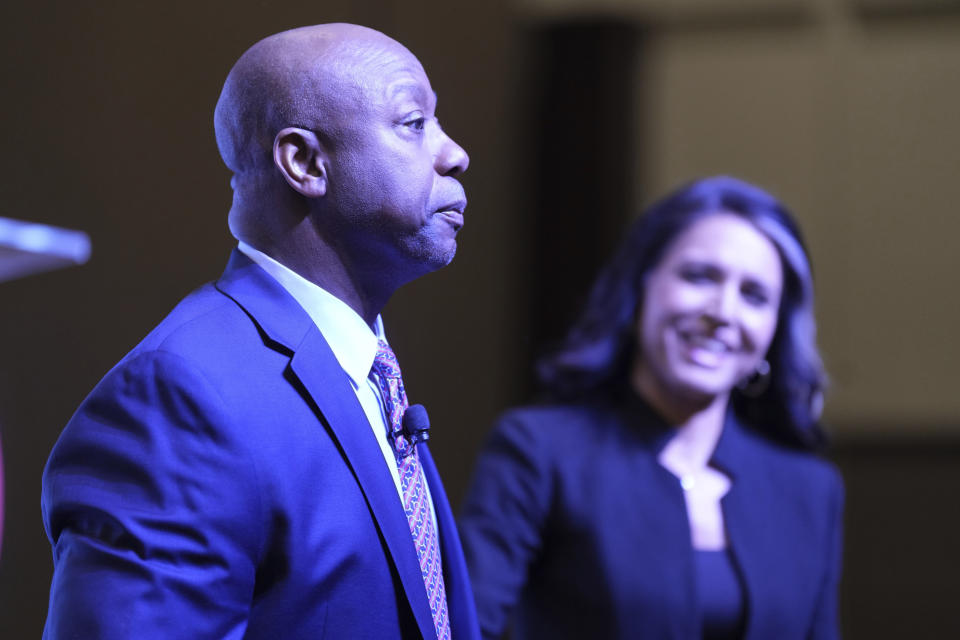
(222, 481)
(572, 524)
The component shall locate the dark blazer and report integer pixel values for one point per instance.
(572, 524)
(222, 481)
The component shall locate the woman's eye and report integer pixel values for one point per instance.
(697, 274)
(416, 124)
(755, 295)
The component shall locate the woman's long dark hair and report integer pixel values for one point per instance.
(599, 350)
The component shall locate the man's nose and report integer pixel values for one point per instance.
(451, 158)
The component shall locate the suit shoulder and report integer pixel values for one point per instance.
(554, 416)
(205, 337)
(199, 317)
(807, 468)
(207, 330)
(552, 422)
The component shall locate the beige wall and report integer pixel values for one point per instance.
(850, 114)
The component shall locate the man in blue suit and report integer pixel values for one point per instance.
(232, 476)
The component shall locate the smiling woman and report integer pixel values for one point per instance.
(709, 314)
(672, 490)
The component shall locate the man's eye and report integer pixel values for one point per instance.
(416, 124)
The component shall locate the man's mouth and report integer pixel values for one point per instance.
(455, 218)
(453, 213)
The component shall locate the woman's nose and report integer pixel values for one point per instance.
(722, 305)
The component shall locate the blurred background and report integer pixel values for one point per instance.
(576, 113)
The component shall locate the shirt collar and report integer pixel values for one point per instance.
(351, 340)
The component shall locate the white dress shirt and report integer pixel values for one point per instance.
(350, 338)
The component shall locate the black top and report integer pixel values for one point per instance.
(720, 591)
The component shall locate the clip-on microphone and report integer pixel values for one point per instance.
(416, 425)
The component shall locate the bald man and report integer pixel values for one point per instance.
(243, 472)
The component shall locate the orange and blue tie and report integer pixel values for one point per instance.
(413, 485)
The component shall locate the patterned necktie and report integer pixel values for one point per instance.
(413, 484)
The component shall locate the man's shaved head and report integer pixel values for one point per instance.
(342, 171)
(303, 77)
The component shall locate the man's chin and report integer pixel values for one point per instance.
(439, 262)
(422, 260)
(440, 254)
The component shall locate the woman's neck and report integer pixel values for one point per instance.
(696, 436)
(697, 422)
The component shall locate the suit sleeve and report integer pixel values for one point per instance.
(503, 519)
(151, 506)
(825, 621)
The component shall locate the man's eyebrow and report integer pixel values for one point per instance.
(414, 88)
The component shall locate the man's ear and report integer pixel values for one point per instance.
(302, 161)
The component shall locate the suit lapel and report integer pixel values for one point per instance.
(313, 363)
(348, 424)
(460, 603)
(752, 514)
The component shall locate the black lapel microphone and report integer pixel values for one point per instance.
(416, 425)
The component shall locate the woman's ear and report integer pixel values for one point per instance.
(302, 160)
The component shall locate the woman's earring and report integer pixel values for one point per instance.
(757, 382)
